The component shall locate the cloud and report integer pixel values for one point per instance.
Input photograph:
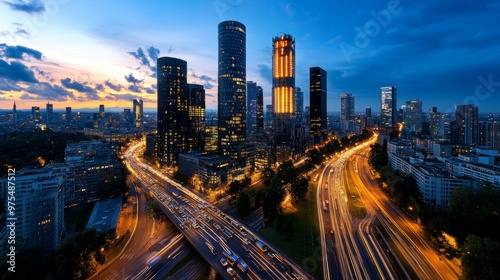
(131, 79)
(16, 71)
(150, 91)
(209, 95)
(140, 56)
(99, 87)
(126, 97)
(22, 32)
(46, 91)
(265, 72)
(30, 7)
(8, 85)
(208, 81)
(134, 88)
(112, 86)
(153, 53)
(19, 52)
(80, 87)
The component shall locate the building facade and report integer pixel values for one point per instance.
(196, 117)
(388, 109)
(173, 115)
(232, 90)
(317, 98)
(138, 111)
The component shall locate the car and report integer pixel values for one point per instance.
(223, 261)
(245, 241)
(231, 272)
(245, 247)
(270, 254)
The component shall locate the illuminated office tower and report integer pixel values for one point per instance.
(196, 117)
(173, 117)
(283, 86)
(14, 112)
(35, 114)
(466, 117)
(299, 106)
(138, 111)
(413, 116)
(101, 111)
(232, 90)
(317, 99)
(260, 108)
(347, 112)
(50, 112)
(68, 114)
(388, 107)
(251, 110)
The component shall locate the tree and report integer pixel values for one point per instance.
(272, 199)
(78, 254)
(298, 189)
(480, 258)
(243, 204)
(287, 172)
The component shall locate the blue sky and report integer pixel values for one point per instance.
(85, 53)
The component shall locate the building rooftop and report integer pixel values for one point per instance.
(105, 215)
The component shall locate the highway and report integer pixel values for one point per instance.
(214, 234)
(406, 234)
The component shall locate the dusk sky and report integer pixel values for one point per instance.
(86, 53)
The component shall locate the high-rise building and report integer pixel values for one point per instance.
(413, 117)
(138, 111)
(268, 117)
(283, 96)
(35, 114)
(436, 123)
(50, 112)
(388, 111)
(317, 99)
(173, 116)
(196, 117)
(39, 204)
(347, 112)
(487, 134)
(127, 116)
(14, 112)
(101, 111)
(232, 90)
(68, 114)
(299, 106)
(252, 95)
(260, 108)
(346, 107)
(368, 112)
(466, 117)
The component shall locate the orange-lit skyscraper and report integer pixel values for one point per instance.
(283, 86)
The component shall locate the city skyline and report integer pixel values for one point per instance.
(73, 55)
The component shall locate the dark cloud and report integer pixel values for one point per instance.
(30, 7)
(153, 53)
(140, 56)
(150, 91)
(18, 52)
(16, 71)
(80, 87)
(46, 91)
(8, 85)
(131, 79)
(134, 88)
(115, 87)
(22, 32)
(265, 72)
(99, 87)
(126, 97)
(208, 81)
(209, 95)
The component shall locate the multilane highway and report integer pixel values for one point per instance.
(232, 249)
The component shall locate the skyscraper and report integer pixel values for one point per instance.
(14, 112)
(283, 86)
(252, 93)
(232, 90)
(50, 112)
(101, 111)
(347, 112)
(196, 117)
(260, 108)
(299, 106)
(173, 117)
(35, 114)
(368, 112)
(436, 123)
(413, 117)
(68, 114)
(466, 117)
(317, 99)
(138, 112)
(388, 109)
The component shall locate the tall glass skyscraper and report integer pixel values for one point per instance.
(346, 107)
(413, 117)
(232, 90)
(283, 86)
(388, 107)
(299, 106)
(317, 99)
(467, 119)
(138, 111)
(50, 112)
(173, 117)
(252, 94)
